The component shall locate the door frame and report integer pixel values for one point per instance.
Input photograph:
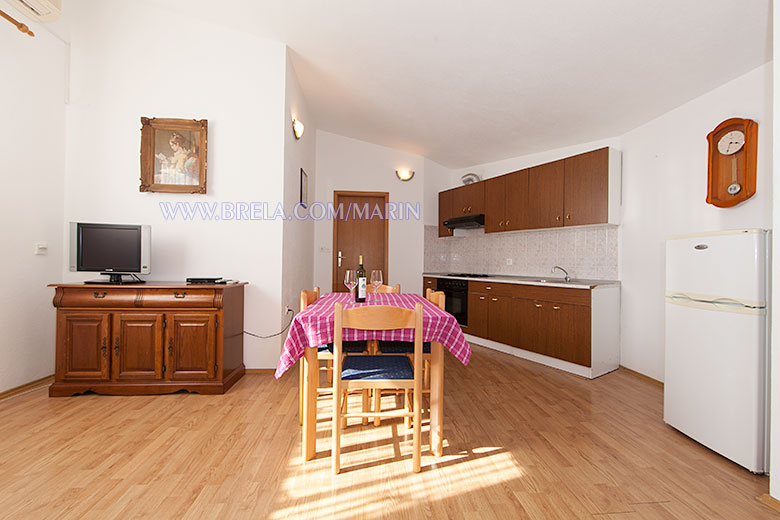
(334, 257)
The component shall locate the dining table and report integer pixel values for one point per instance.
(314, 326)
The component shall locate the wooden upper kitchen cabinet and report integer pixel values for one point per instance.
(445, 212)
(591, 192)
(468, 200)
(506, 202)
(545, 195)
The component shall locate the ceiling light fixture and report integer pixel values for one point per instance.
(404, 175)
(297, 127)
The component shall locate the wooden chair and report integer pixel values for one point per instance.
(307, 298)
(376, 372)
(406, 348)
(386, 289)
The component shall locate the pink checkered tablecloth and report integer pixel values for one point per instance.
(314, 327)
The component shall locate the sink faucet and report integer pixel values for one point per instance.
(567, 277)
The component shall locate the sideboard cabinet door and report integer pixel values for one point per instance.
(82, 346)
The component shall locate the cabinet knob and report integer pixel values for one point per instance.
(501, 224)
(568, 217)
(506, 223)
(538, 305)
(557, 218)
(464, 210)
(176, 294)
(469, 209)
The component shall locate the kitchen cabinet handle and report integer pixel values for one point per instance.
(469, 209)
(116, 347)
(170, 346)
(538, 305)
(464, 210)
(177, 295)
(568, 217)
(487, 288)
(339, 258)
(506, 223)
(103, 347)
(557, 218)
(481, 297)
(501, 224)
(99, 295)
(494, 299)
(556, 308)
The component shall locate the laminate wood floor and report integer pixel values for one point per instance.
(521, 441)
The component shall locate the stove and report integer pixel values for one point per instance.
(468, 275)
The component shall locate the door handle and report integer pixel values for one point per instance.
(103, 347)
(116, 347)
(339, 258)
(538, 305)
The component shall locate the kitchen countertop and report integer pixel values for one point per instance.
(552, 281)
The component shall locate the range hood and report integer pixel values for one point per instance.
(467, 222)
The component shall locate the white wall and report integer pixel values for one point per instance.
(437, 178)
(32, 162)
(349, 164)
(774, 414)
(664, 191)
(298, 255)
(133, 59)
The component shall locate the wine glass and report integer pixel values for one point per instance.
(350, 281)
(376, 281)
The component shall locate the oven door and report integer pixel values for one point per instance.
(456, 303)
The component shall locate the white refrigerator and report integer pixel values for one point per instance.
(715, 381)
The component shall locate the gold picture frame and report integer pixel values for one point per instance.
(173, 155)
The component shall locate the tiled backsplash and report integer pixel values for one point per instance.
(586, 252)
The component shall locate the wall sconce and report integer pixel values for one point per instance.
(297, 127)
(404, 175)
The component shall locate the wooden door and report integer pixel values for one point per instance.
(477, 315)
(359, 229)
(138, 346)
(82, 345)
(586, 188)
(190, 346)
(501, 323)
(445, 212)
(516, 202)
(495, 197)
(545, 195)
(569, 332)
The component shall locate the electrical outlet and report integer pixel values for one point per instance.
(288, 310)
(508, 261)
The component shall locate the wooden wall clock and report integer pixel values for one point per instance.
(732, 162)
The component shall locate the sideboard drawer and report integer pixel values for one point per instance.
(184, 297)
(94, 297)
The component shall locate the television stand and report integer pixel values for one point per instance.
(114, 279)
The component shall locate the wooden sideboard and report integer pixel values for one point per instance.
(155, 338)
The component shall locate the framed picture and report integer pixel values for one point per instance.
(173, 155)
(304, 189)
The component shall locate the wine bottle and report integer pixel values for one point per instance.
(360, 294)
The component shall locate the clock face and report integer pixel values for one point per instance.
(731, 143)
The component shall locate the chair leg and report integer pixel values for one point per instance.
(426, 374)
(330, 372)
(365, 406)
(408, 408)
(300, 391)
(335, 449)
(344, 408)
(417, 432)
(377, 405)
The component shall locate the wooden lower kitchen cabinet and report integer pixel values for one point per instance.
(574, 329)
(152, 339)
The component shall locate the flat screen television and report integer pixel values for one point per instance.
(111, 249)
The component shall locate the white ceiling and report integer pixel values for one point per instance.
(469, 82)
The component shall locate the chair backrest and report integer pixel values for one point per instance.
(377, 317)
(386, 289)
(436, 298)
(309, 297)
